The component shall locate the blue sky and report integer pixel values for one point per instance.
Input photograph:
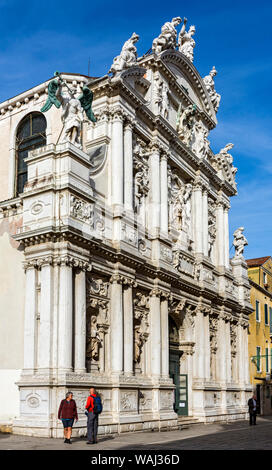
(235, 36)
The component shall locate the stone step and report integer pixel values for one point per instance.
(186, 421)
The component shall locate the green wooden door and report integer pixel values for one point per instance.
(181, 383)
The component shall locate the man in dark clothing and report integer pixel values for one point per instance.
(252, 409)
(67, 413)
(92, 423)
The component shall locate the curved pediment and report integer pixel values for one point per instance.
(189, 79)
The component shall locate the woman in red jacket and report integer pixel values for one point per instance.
(67, 413)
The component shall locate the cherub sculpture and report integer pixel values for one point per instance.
(127, 57)
(168, 37)
(72, 108)
(239, 242)
(186, 42)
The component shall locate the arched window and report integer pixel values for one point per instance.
(31, 134)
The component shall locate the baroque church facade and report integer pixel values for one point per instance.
(114, 245)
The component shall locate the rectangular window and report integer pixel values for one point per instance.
(266, 314)
(258, 354)
(264, 278)
(266, 361)
(257, 310)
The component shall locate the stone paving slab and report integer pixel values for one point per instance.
(226, 436)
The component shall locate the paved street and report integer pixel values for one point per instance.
(235, 436)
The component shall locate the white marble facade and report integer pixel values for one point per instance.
(126, 255)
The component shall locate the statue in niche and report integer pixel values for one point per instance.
(186, 208)
(200, 143)
(168, 37)
(239, 242)
(185, 123)
(138, 344)
(186, 42)
(161, 98)
(73, 108)
(211, 233)
(94, 340)
(209, 83)
(127, 57)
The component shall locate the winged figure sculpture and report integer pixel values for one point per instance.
(86, 99)
(52, 99)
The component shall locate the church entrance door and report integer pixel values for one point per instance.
(181, 383)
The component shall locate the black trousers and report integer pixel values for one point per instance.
(92, 425)
(252, 417)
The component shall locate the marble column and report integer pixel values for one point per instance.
(155, 332)
(117, 325)
(198, 218)
(117, 160)
(245, 358)
(240, 353)
(46, 313)
(164, 338)
(80, 321)
(164, 195)
(205, 222)
(30, 312)
(221, 352)
(207, 352)
(128, 330)
(228, 352)
(65, 325)
(154, 193)
(199, 355)
(226, 236)
(220, 235)
(128, 168)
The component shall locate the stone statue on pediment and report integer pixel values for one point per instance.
(239, 242)
(127, 57)
(209, 83)
(200, 143)
(168, 37)
(186, 43)
(224, 153)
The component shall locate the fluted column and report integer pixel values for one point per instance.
(117, 324)
(226, 235)
(198, 217)
(220, 235)
(46, 313)
(117, 159)
(128, 167)
(80, 321)
(30, 312)
(164, 337)
(205, 222)
(155, 331)
(228, 351)
(65, 325)
(154, 193)
(199, 355)
(164, 195)
(128, 329)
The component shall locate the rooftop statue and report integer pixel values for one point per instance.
(127, 57)
(239, 242)
(168, 37)
(72, 108)
(209, 83)
(228, 157)
(185, 123)
(185, 41)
